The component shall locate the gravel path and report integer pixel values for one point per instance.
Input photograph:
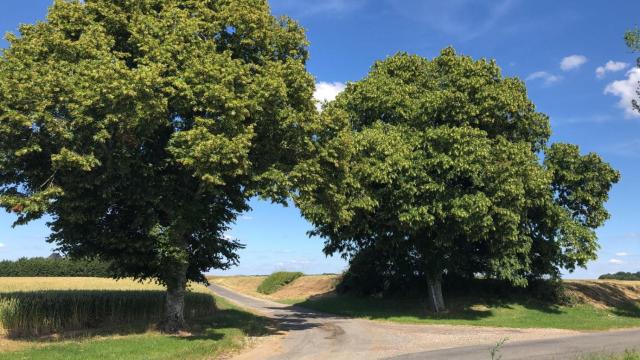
(308, 334)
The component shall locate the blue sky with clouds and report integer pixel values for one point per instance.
(570, 53)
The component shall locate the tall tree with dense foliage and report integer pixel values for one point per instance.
(632, 38)
(441, 159)
(142, 128)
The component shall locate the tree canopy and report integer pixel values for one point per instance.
(442, 158)
(142, 128)
(632, 38)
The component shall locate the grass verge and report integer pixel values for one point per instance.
(627, 355)
(517, 313)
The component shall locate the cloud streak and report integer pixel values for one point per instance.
(545, 77)
(464, 19)
(304, 8)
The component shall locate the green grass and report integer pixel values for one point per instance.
(519, 313)
(627, 355)
(36, 313)
(277, 280)
(212, 336)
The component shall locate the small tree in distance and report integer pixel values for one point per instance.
(441, 159)
(143, 127)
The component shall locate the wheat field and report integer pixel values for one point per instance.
(41, 306)
(13, 284)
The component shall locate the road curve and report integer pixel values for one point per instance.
(307, 334)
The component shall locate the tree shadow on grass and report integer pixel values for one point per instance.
(465, 308)
(249, 324)
(482, 300)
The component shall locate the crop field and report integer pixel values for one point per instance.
(11, 284)
(69, 318)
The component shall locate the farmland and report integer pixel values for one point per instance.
(111, 319)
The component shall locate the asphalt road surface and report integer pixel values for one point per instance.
(306, 334)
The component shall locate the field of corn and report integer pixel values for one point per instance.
(41, 306)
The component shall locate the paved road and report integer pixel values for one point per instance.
(308, 334)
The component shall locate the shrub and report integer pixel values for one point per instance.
(277, 280)
(621, 275)
(45, 312)
(52, 266)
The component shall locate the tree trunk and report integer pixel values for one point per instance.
(436, 300)
(174, 303)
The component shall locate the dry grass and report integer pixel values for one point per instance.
(12, 284)
(301, 289)
(605, 293)
(10, 345)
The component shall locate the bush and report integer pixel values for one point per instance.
(45, 312)
(277, 280)
(53, 266)
(621, 275)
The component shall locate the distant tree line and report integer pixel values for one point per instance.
(621, 275)
(54, 266)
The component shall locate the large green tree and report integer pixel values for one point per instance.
(442, 158)
(632, 38)
(142, 127)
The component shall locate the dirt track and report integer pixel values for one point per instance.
(311, 335)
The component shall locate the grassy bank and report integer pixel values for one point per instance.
(297, 291)
(276, 281)
(518, 313)
(222, 330)
(602, 304)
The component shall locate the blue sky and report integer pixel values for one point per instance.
(571, 54)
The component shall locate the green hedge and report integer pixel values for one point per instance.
(621, 276)
(277, 280)
(39, 313)
(48, 267)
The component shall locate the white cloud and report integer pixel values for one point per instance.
(546, 77)
(572, 62)
(622, 254)
(327, 91)
(246, 217)
(616, 261)
(1, 245)
(610, 66)
(626, 90)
